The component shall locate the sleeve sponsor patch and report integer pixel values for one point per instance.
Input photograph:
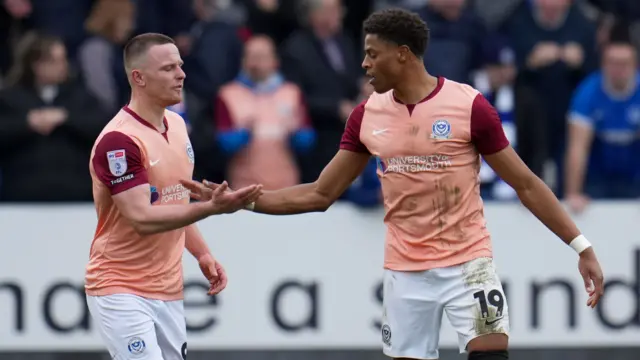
(117, 162)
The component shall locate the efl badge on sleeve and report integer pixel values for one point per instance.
(190, 154)
(441, 129)
(117, 162)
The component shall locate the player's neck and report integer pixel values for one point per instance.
(148, 110)
(416, 88)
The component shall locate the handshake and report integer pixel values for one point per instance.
(220, 199)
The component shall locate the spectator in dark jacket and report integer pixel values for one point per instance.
(322, 61)
(554, 45)
(48, 123)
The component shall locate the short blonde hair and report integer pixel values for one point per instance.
(105, 14)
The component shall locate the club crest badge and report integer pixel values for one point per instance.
(441, 129)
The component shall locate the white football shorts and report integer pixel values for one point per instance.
(135, 328)
(470, 294)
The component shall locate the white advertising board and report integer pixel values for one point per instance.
(313, 281)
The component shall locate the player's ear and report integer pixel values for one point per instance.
(137, 78)
(403, 53)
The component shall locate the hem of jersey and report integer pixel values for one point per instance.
(428, 265)
(114, 290)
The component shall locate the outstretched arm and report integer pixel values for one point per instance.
(118, 164)
(319, 195)
(345, 167)
(336, 177)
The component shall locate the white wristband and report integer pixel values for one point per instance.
(251, 206)
(580, 244)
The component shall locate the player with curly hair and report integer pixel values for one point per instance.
(428, 134)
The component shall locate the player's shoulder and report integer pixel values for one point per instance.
(467, 91)
(115, 139)
(375, 101)
(117, 129)
(114, 142)
(118, 121)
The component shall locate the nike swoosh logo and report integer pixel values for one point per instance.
(378, 132)
(154, 163)
(487, 322)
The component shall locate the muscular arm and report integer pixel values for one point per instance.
(146, 219)
(533, 193)
(126, 179)
(489, 138)
(336, 177)
(317, 196)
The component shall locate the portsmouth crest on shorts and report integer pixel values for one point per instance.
(386, 334)
(441, 129)
(192, 158)
(117, 162)
(136, 345)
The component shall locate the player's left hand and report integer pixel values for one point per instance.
(592, 275)
(214, 272)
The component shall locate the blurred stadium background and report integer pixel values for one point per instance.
(309, 286)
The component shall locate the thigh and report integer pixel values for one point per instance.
(477, 305)
(171, 328)
(412, 315)
(126, 324)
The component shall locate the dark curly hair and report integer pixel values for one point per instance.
(400, 27)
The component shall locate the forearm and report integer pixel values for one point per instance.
(544, 205)
(194, 242)
(157, 219)
(293, 200)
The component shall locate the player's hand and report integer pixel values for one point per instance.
(592, 275)
(577, 202)
(214, 272)
(225, 201)
(198, 190)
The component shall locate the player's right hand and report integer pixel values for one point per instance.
(225, 201)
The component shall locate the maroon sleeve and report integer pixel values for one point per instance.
(351, 136)
(486, 128)
(222, 115)
(119, 171)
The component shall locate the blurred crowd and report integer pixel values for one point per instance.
(270, 84)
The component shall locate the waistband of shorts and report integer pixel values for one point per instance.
(112, 290)
(435, 264)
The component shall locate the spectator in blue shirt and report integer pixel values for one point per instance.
(603, 159)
